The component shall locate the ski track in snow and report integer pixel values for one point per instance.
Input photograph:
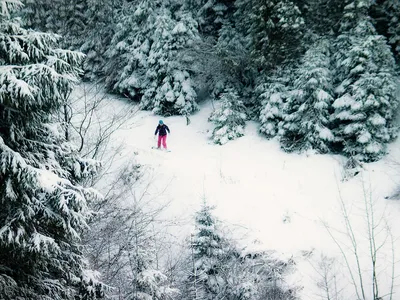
(267, 195)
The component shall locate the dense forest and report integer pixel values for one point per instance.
(317, 75)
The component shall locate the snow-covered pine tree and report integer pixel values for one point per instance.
(272, 93)
(209, 254)
(87, 25)
(144, 58)
(101, 21)
(75, 30)
(365, 95)
(129, 48)
(211, 14)
(392, 8)
(287, 31)
(35, 13)
(43, 205)
(272, 96)
(66, 18)
(221, 64)
(168, 88)
(229, 118)
(306, 113)
(235, 62)
(322, 16)
(273, 29)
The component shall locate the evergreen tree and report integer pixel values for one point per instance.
(322, 16)
(144, 60)
(44, 207)
(236, 65)
(222, 271)
(209, 251)
(168, 88)
(222, 64)
(211, 14)
(129, 48)
(87, 25)
(229, 118)
(272, 97)
(366, 101)
(74, 31)
(392, 8)
(307, 110)
(272, 93)
(273, 29)
(36, 13)
(66, 18)
(101, 18)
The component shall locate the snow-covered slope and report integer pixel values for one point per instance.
(280, 199)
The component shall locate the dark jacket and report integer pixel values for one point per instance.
(162, 130)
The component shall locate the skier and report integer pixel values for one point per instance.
(162, 134)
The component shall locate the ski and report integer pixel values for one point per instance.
(160, 149)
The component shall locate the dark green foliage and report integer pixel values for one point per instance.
(211, 14)
(273, 29)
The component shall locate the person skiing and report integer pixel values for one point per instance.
(162, 134)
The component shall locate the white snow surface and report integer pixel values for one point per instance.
(271, 199)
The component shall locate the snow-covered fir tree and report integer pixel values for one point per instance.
(211, 14)
(101, 18)
(221, 64)
(168, 88)
(35, 13)
(272, 93)
(287, 30)
(129, 48)
(236, 67)
(392, 8)
(222, 271)
(144, 58)
(306, 112)
(229, 118)
(209, 255)
(66, 18)
(273, 29)
(321, 17)
(44, 206)
(269, 270)
(365, 102)
(87, 25)
(74, 31)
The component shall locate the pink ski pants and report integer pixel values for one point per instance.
(162, 139)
